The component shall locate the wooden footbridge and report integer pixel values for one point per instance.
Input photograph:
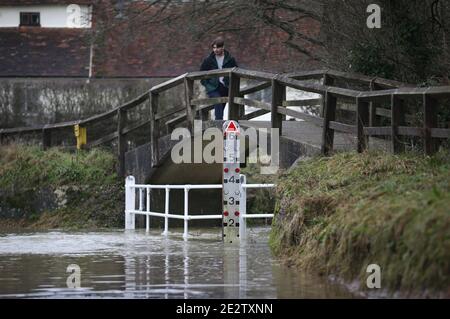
(349, 110)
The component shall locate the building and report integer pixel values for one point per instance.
(45, 38)
(90, 40)
(74, 38)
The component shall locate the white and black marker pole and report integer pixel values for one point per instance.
(231, 182)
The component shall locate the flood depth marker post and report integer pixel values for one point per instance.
(231, 182)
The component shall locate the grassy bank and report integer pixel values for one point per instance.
(340, 214)
(259, 200)
(56, 189)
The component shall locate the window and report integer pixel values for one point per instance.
(30, 19)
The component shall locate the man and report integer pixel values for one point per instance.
(218, 87)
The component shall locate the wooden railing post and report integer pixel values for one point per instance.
(326, 80)
(373, 107)
(283, 99)
(330, 102)
(362, 118)
(46, 139)
(121, 140)
(278, 96)
(190, 109)
(397, 119)
(233, 91)
(205, 115)
(154, 129)
(430, 121)
(241, 108)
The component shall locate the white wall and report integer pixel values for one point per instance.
(52, 16)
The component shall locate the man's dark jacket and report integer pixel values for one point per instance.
(210, 63)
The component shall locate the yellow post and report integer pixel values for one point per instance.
(81, 135)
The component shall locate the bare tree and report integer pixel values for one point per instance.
(297, 22)
(410, 46)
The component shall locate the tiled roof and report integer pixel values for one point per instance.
(38, 2)
(151, 51)
(43, 52)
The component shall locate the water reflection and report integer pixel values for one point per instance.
(117, 264)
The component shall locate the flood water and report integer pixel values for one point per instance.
(133, 264)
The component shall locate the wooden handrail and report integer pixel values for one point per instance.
(380, 90)
(254, 114)
(254, 75)
(168, 84)
(170, 112)
(38, 127)
(440, 133)
(367, 80)
(254, 88)
(203, 75)
(438, 91)
(308, 102)
(288, 79)
(129, 105)
(210, 101)
(354, 77)
(307, 75)
(262, 105)
(21, 129)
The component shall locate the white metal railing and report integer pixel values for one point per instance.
(144, 204)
